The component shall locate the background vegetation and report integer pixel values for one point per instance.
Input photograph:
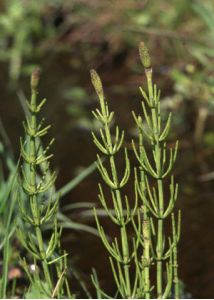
(67, 39)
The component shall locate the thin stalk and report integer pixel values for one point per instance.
(36, 213)
(159, 260)
(44, 261)
(146, 234)
(123, 232)
(156, 207)
(6, 251)
(119, 258)
(150, 188)
(175, 258)
(175, 270)
(157, 147)
(39, 207)
(160, 243)
(146, 254)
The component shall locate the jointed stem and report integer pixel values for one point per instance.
(156, 207)
(123, 232)
(175, 270)
(146, 235)
(146, 253)
(150, 231)
(157, 156)
(160, 243)
(44, 261)
(39, 208)
(110, 148)
(35, 213)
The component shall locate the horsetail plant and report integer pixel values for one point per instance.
(154, 169)
(121, 250)
(150, 187)
(40, 209)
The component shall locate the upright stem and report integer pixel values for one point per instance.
(146, 235)
(146, 253)
(157, 156)
(119, 252)
(175, 257)
(152, 194)
(33, 198)
(160, 243)
(44, 261)
(123, 232)
(175, 270)
(41, 209)
(6, 248)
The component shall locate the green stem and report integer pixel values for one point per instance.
(159, 259)
(175, 257)
(37, 180)
(125, 250)
(3, 290)
(160, 238)
(44, 261)
(146, 254)
(35, 212)
(123, 231)
(156, 168)
(175, 271)
(157, 159)
(6, 251)
(146, 234)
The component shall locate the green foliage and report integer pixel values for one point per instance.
(39, 211)
(150, 187)
(21, 24)
(121, 250)
(10, 215)
(183, 30)
(38, 290)
(8, 218)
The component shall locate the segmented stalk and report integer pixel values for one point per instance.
(155, 209)
(120, 251)
(152, 192)
(33, 171)
(38, 207)
(175, 239)
(146, 259)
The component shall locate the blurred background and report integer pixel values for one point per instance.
(67, 38)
